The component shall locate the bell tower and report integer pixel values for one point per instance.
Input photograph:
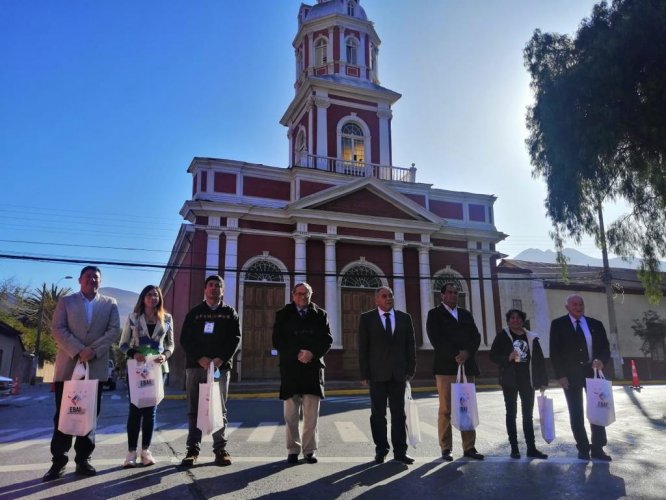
(340, 116)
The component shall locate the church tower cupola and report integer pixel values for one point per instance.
(340, 117)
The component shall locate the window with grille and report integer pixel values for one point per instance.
(264, 271)
(361, 276)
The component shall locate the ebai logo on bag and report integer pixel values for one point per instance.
(463, 404)
(602, 400)
(144, 373)
(75, 407)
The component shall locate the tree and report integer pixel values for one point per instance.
(597, 130)
(36, 311)
(652, 331)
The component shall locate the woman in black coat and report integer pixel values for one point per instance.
(522, 368)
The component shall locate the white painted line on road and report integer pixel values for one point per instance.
(112, 434)
(19, 445)
(350, 433)
(428, 429)
(263, 433)
(23, 434)
(41, 398)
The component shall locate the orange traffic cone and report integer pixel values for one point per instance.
(16, 388)
(635, 383)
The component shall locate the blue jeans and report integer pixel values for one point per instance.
(140, 419)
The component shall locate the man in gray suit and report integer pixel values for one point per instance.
(84, 326)
(387, 358)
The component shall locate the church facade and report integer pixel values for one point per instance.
(340, 216)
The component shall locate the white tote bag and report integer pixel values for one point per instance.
(412, 414)
(209, 413)
(546, 417)
(600, 405)
(146, 385)
(78, 406)
(464, 410)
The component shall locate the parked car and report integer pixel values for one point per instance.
(6, 386)
(112, 379)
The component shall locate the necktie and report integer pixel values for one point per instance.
(581, 339)
(388, 323)
(302, 312)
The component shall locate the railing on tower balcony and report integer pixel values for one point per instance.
(357, 168)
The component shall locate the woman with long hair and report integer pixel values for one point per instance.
(148, 331)
(522, 369)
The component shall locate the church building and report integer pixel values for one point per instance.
(340, 215)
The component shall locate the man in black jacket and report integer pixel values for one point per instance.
(210, 334)
(302, 336)
(455, 338)
(578, 344)
(387, 359)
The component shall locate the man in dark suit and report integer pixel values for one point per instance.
(387, 359)
(578, 344)
(84, 326)
(302, 336)
(455, 338)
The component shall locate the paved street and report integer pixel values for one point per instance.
(637, 442)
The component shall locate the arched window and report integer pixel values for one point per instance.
(351, 5)
(352, 51)
(450, 277)
(361, 276)
(299, 62)
(264, 271)
(320, 51)
(353, 144)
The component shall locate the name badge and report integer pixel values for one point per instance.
(209, 327)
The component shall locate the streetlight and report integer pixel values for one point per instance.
(40, 316)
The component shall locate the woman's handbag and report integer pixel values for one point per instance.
(412, 414)
(146, 385)
(209, 413)
(78, 405)
(464, 410)
(546, 417)
(600, 405)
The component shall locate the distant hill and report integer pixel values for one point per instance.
(576, 258)
(126, 300)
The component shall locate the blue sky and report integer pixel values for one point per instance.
(103, 104)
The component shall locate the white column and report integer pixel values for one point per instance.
(230, 265)
(331, 292)
(322, 103)
(213, 251)
(329, 52)
(398, 275)
(488, 295)
(384, 114)
(300, 265)
(425, 291)
(475, 290)
(361, 55)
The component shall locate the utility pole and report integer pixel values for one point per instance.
(610, 303)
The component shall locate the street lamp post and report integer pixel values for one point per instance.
(38, 337)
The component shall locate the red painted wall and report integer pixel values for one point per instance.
(365, 202)
(266, 188)
(307, 187)
(225, 183)
(447, 209)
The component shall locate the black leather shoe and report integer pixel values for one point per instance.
(405, 459)
(56, 471)
(584, 455)
(311, 458)
(84, 468)
(292, 458)
(534, 453)
(446, 456)
(380, 457)
(472, 453)
(600, 455)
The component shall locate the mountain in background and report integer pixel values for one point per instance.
(126, 301)
(577, 258)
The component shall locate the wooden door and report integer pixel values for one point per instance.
(260, 302)
(354, 302)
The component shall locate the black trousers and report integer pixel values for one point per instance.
(526, 392)
(392, 391)
(61, 443)
(574, 396)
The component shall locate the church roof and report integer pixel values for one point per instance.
(330, 7)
